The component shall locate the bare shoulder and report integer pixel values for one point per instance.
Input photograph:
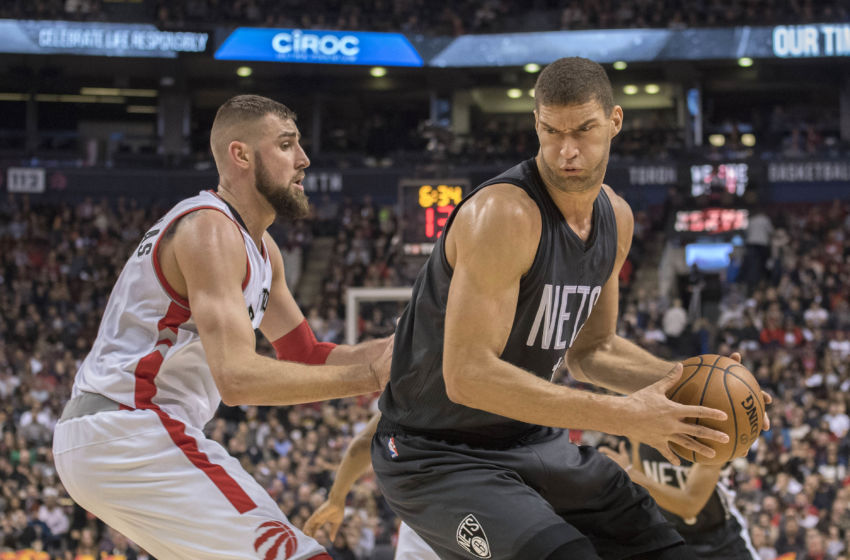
(207, 232)
(205, 223)
(625, 223)
(186, 251)
(500, 209)
(501, 217)
(622, 210)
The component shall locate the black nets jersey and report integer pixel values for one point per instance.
(556, 296)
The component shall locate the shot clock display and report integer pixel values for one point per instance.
(426, 205)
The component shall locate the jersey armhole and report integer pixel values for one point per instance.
(160, 275)
(444, 261)
(610, 206)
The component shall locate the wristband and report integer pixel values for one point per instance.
(300, 345)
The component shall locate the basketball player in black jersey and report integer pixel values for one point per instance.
(470, 450)
(694, 498)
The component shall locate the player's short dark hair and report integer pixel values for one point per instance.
(573, 80)
(250, 107)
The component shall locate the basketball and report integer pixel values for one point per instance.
(722, 383)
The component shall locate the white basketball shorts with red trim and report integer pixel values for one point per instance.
(174, 492)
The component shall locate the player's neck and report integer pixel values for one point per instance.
(250, 210)
(574, 204)
(576, 208)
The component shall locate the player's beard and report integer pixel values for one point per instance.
(288, 201)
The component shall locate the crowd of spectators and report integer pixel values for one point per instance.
(788, 313)
(57, 267)
(422, 17)
(786, 306)
(366, 252)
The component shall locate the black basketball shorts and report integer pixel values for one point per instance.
(518, 503)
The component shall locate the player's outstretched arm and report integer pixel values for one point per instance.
(354, 464)
(284, 322)
(491, 245)
(205, 258)
(686, 502)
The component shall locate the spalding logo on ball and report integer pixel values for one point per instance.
(722, 383)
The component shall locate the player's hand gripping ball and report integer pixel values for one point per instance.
(722, 383)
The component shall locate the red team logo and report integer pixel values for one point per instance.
(276, 541)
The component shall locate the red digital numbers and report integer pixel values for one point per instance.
(711, 220)
(435, 220)
(426, 206)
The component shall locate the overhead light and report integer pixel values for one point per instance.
(620, 65)
(748, 140)
(111, 99)
(71, 98)
(142, 109)
(651, 89)
(98, 91)
(716, 140)
(65, 98)
(244, 71)
(531, 92)
(514, 93)
(129, 92)
(138, 92)
(378, 71)
(745, 62)
(630, 89)
(531, 68)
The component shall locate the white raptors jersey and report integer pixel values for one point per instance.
(148, 353)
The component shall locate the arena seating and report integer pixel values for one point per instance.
(58, 261)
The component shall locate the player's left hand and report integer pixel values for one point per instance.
(328, 513)
(620, 457)
(765, 396)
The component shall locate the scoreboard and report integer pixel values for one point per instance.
(425, 206)
(711, 221)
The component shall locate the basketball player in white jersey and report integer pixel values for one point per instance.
(177, 338)
(330, 514)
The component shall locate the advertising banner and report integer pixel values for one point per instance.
(98, 39)
(644, 45)
(395, 49)
(319, 47)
